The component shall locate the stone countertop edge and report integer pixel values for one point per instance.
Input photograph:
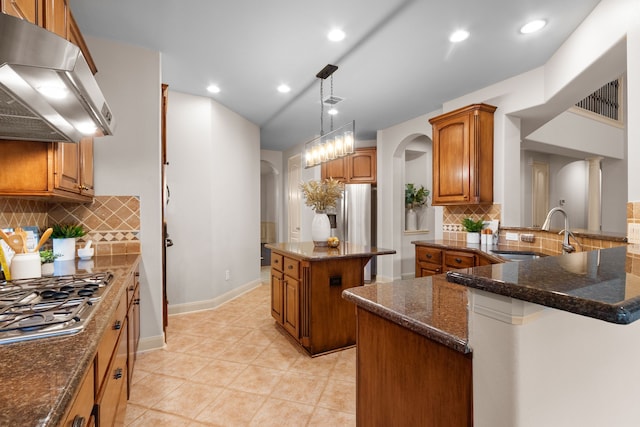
(41, 377)
(613, 313)
(407, 322)
(307, 251)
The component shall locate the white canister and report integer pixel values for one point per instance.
(26, 266)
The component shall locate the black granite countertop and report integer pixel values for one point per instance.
(307, 250)
(594, 283)
(40, 377)
(429, 306)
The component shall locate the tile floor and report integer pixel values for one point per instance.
(231, 366)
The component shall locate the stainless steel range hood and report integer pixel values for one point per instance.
(47, 91)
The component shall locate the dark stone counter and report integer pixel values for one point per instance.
(429, 306)
(307, 251)
(40, 377)
(594, 284)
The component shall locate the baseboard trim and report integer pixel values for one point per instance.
(151, 343)
(191, 307)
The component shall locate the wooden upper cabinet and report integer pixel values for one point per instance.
(357, 168)
(30, 10)
(463, 156)
(49, 170)
(56, 16)
(75, 36)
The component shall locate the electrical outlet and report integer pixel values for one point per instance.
(227, 275)
(512, 236)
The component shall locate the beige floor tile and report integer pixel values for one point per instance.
(232, 408)
(301, 388)
(133, 413)
(218, 373)
(207, 347)
(322, 417)
(345, 368)
(180, 365)
(278, 356)
(257, 379)
(154, 387)
(181, 342)
(188, 400)
(278, 413)
(241, 352)
(339, 396)
(320, 365)
(159, 419)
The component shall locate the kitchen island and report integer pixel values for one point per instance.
(306, 287)
(551, 341)
(41, 378)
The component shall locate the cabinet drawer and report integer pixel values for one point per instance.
(453, 260)
(276, 261)
(429, 255)
(292, 267)
(112, 402)
(109, 339)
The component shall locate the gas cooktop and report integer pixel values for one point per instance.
(49, 306)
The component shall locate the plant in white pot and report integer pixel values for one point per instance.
(321, 195)
(47, 256)
(473, 229)
(414, 197)
(64, 240)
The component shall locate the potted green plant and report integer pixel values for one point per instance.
(64, 240)
(414, 197)
(47, 256)
(473, 229)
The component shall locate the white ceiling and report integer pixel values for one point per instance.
(395, 64)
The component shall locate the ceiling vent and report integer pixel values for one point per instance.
(332, 100)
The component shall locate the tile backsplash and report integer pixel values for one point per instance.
(452, 217)
(111, 222)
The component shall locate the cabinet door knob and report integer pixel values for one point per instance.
(117, 374)
(136, 301)
(117, 325)
(290, 267)
(458, 260)
(78, 421)
(429, 256)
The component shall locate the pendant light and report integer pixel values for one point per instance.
(335, 143)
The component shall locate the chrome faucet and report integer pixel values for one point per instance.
(567, 248)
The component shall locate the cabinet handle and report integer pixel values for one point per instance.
(429, 256)
(117, 374)
(78, 421)
(136, 301)
(458, 260)
(290, 267)
(137, 274)
(117, 325)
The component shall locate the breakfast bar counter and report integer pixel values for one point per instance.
(549, 341)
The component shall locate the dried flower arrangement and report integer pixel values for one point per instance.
(321, 195)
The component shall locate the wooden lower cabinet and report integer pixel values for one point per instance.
(112, 399)
(405, 379)
(133, 325)
(81, 412)
(431, 261)
(306, 300)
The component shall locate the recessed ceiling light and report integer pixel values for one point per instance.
(533, 26)
(283, 88)
(213, 89)
(332, 111)
(458, 36)
(336, 35)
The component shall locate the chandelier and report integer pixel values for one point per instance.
(335, 143)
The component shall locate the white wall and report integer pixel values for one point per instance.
(213, 217)
(128, 163)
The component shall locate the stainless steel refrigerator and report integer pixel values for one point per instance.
(356, 220)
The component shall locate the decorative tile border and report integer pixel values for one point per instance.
(112, 222)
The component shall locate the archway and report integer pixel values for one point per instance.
(269, 208)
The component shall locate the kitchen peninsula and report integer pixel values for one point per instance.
(550, 341)
(306, 287)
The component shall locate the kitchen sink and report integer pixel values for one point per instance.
(517, 255)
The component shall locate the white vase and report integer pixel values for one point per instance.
(320, 228)
(66, 248)
(473, 238)
(411, 220)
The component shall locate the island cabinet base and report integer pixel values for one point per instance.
(306, 300)
(405, 379)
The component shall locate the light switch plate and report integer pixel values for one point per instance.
(512, 236)
(633, 233)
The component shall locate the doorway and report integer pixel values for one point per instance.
(268, 209)
(293, 194)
